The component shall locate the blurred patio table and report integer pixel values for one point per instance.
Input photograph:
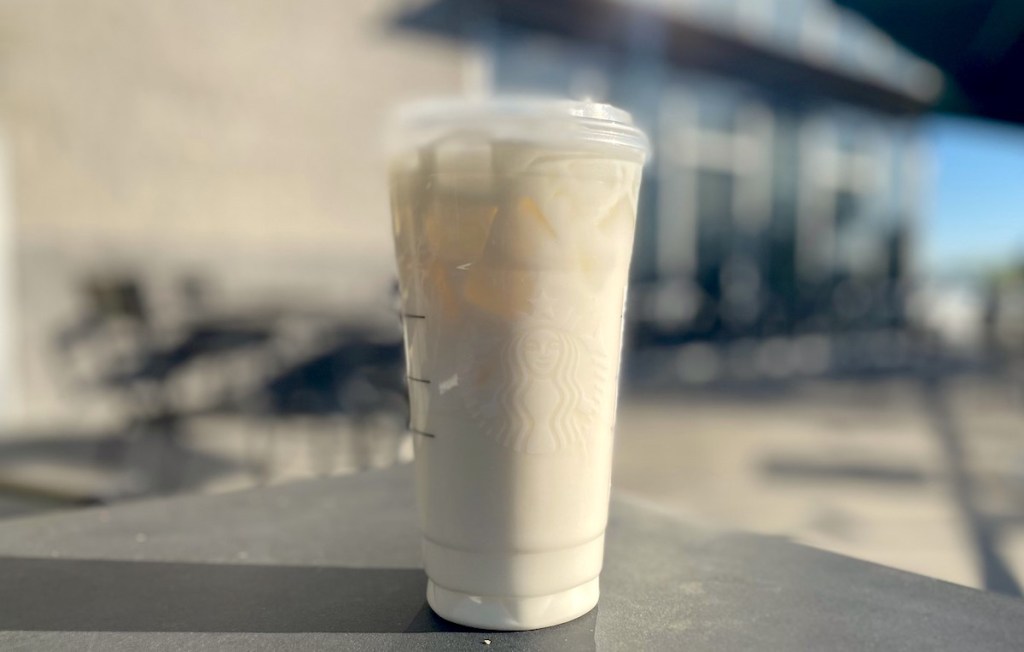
(334, 563)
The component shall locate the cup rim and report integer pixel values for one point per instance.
(530, 118)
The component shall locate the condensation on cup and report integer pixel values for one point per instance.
(513, 223)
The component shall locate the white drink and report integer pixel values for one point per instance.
(513, 237)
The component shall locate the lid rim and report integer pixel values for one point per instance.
(598, 122)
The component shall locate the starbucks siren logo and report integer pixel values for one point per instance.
(538, 380)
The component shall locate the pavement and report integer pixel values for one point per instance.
(925, 475)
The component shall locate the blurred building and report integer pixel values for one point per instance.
(783, 194)
(237, 144)
(1004, 318)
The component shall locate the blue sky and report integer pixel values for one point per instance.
(974, 208)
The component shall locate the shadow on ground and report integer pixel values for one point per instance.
(140, 596)
(983, 531)
(72, 470)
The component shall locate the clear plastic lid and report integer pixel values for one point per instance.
(531, 119)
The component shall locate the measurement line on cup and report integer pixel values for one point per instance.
(425, 381)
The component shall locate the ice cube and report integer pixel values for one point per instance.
(524, 236)
(457, 227)
(500, 292)
(617, 222)
(600, 249)
(461, 162)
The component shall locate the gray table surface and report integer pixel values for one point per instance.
(334, 564)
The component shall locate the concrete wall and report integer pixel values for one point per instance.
(237, 138)
(9, 390)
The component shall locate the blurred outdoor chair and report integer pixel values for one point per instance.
(117, 348)
(112, 331)
(125, 350)
(359, 380)
(275, 367)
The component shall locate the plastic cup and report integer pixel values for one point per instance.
(513, 223)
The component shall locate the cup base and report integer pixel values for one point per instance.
(513, 614)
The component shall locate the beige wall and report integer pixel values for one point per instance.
(8, 400)
(239, 138)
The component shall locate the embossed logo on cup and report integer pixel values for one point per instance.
(537, 393)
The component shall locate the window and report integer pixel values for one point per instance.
(529, 63)
(715, 179)
(717, 112)
(715, 191)
(844, 188)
